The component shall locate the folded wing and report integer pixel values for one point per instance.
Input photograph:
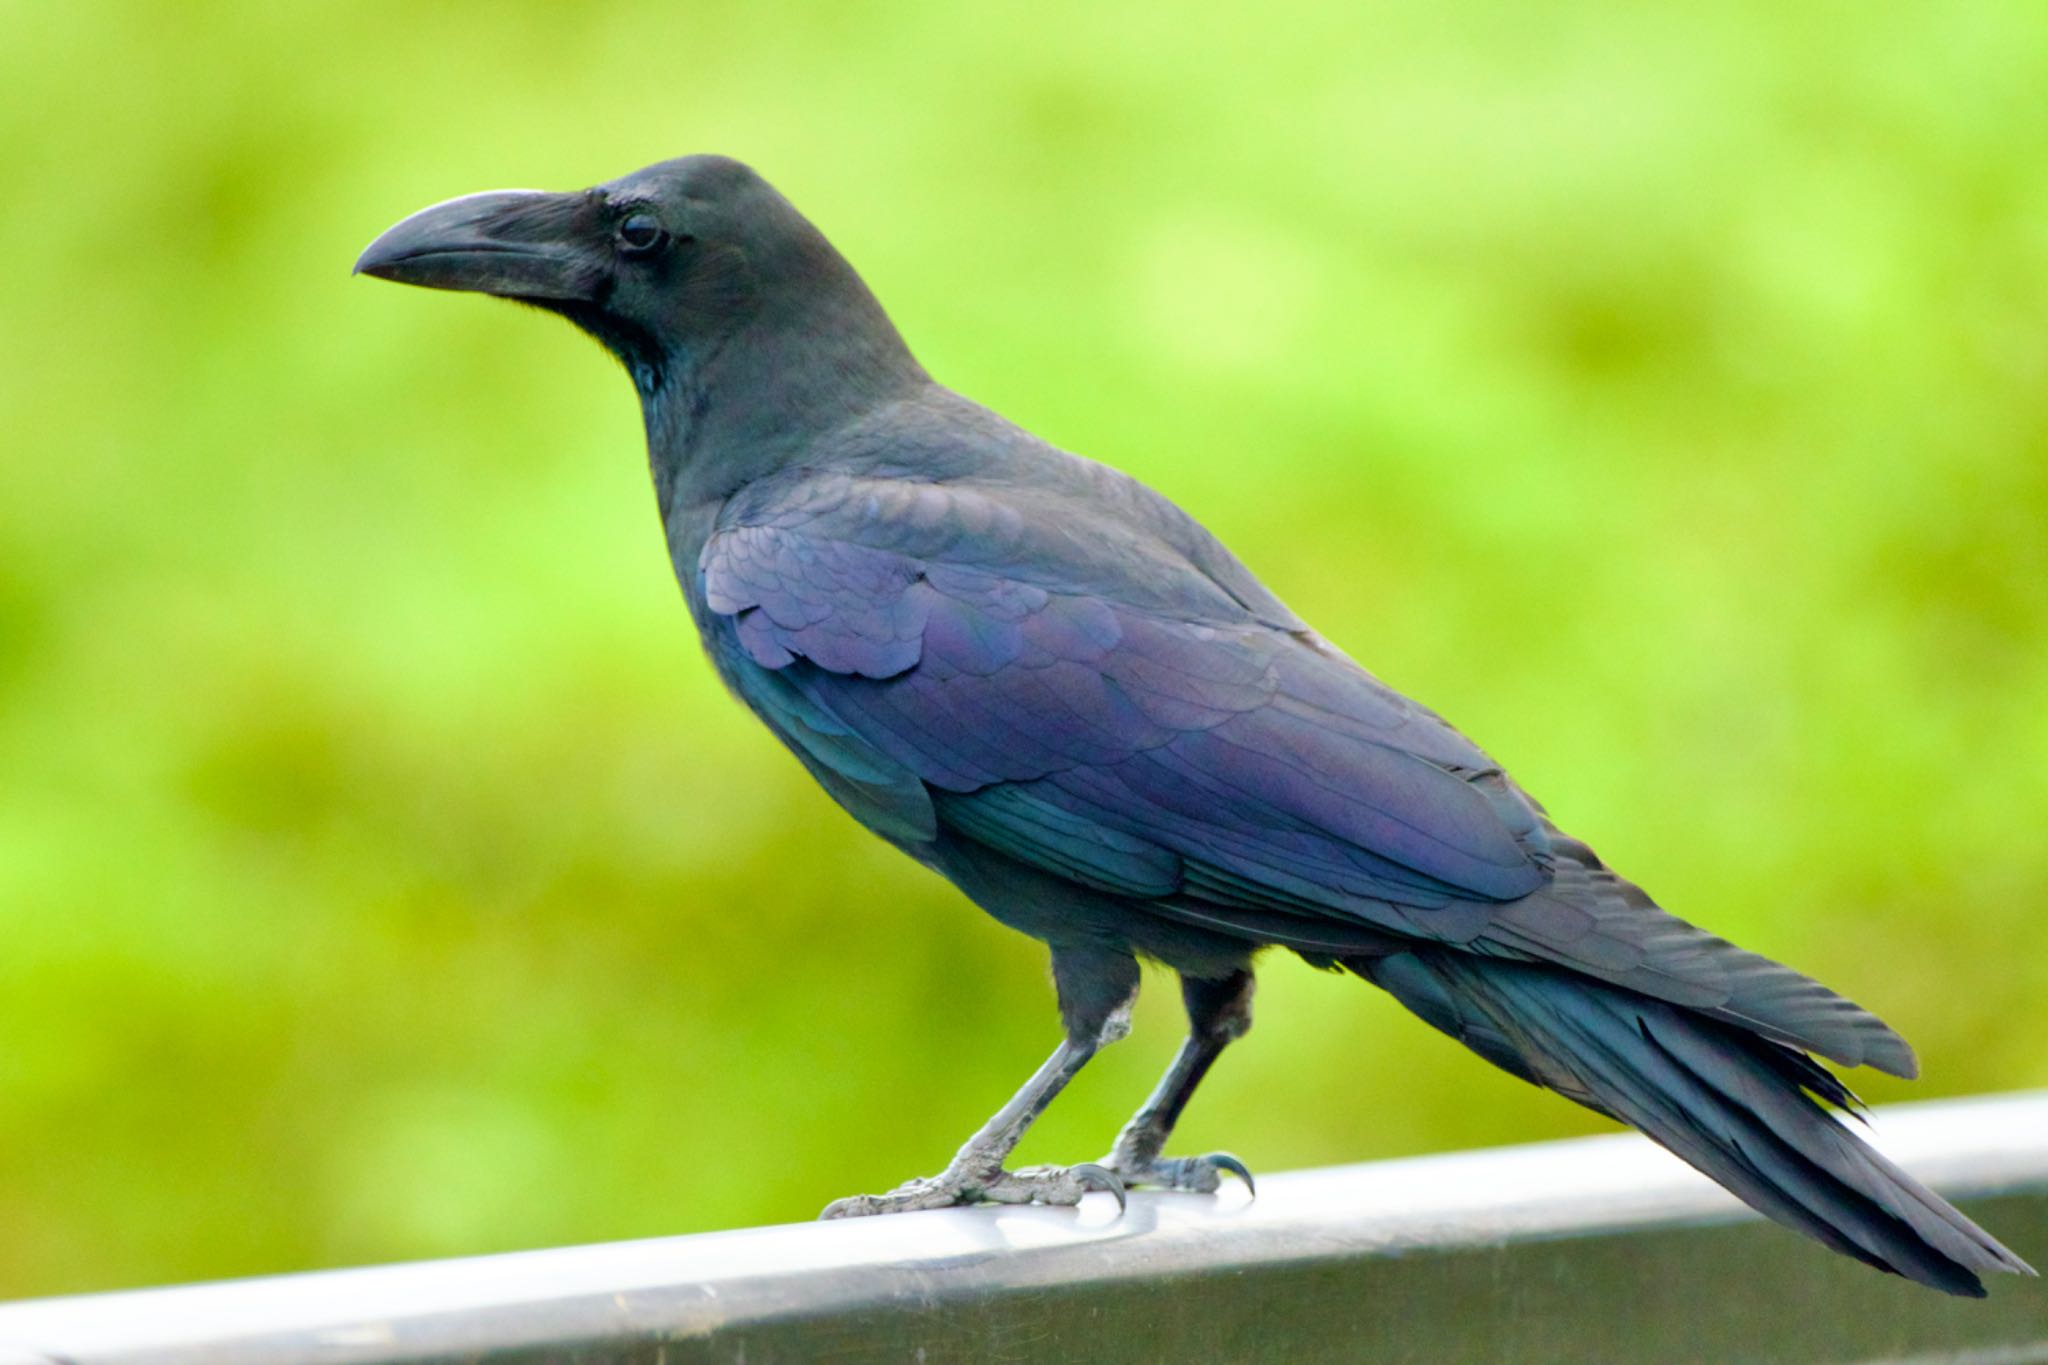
(1084, 699)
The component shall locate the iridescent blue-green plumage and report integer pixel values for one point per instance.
(1044, 680)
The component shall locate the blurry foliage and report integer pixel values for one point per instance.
(1661, 394)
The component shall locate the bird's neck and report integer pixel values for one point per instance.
(764, 396)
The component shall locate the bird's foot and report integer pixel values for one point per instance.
(1197, 1174)
(1031, 1185)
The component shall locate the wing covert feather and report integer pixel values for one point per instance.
(1056, 722)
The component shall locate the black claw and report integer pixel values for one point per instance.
(1224, 1161)
(1094, 1177)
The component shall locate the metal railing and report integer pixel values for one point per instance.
(1598, 1249)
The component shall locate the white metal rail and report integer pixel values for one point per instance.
(1600, 1249)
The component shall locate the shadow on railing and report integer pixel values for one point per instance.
(1600, 1249)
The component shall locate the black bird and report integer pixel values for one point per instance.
(1045, 681)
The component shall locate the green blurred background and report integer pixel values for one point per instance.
(1661, 394)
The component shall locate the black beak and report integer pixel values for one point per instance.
(521, 244)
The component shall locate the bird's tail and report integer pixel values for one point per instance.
(1743, 1109)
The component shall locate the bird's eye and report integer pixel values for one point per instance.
(640, 233)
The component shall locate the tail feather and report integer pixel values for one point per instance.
(1745, 1110)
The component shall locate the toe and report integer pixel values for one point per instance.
(1055, 1185)
(1193, 1174)
(853, 1206)
(937, 1192)
(1224, 1161)
(1090, 1176)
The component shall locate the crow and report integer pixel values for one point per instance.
(1046, 682)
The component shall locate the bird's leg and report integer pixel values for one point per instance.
(1096, 991)
(1219, 1012)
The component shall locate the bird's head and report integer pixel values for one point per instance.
(665, 266)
